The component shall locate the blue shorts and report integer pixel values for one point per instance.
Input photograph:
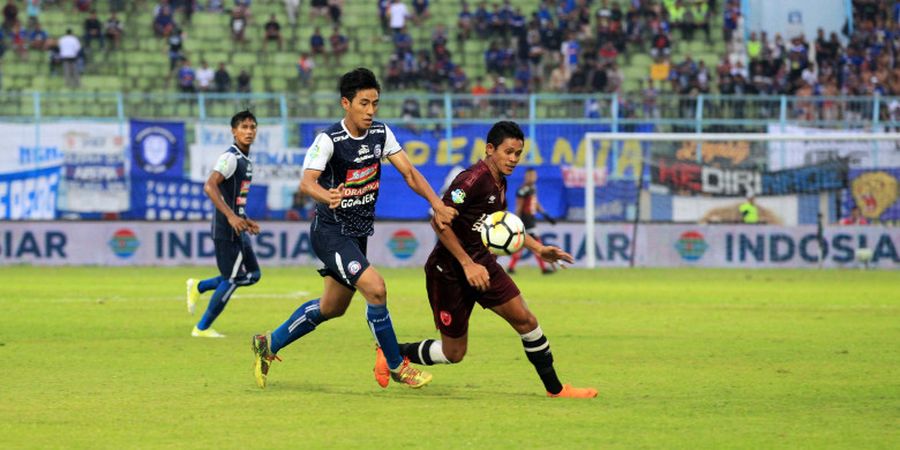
(235, 259)
(344, 257)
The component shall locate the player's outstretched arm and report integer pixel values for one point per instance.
(548, 253)
(442, 213)
(309, 185)
(476, 274)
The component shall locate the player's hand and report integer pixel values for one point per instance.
(238, 224)
(477, 276)
(553, 254)
(443, 215)
(335, 195)
(252, 226)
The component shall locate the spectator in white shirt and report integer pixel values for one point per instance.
(397, 14)
(205, 76)
(69, 49)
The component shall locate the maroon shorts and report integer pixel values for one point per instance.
(452, 298)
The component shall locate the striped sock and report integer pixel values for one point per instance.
(209, 284)
(305, 319)
(537, 349)
(427, 353)
(380, 323)
(216, 304)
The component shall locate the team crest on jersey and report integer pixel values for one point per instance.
(358, 177)
(354, 267)
(458, 196)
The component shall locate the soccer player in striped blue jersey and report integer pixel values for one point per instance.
(227, 187)
(342, 172)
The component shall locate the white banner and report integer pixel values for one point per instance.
(776, 210)
(91, 156)
(274, 165)
(862, 154)
(402, 244)
(21, 151)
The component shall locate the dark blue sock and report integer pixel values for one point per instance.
(209, 284)
(304, 320)
(216, 304)
(383, 330)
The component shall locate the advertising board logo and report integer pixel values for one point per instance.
(691, 246)
(154, 149)
(124, 243)
(403, 244)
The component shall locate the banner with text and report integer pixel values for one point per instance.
(551, 146)
(684, 177)
(29, 195)
(859, 154)
(401, 244)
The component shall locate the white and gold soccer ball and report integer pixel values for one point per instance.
(503, 233)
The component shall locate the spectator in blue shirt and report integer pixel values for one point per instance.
(186, 77)
(317, 42)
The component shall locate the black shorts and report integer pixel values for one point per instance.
(452, 298)
(530, 222)
(235, 258)
(344, 257)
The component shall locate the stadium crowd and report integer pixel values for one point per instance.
(564, 46)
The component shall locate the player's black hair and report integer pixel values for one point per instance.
(242, 116)
(357, 80)
(503, 130)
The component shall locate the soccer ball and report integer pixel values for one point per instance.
(503, 233)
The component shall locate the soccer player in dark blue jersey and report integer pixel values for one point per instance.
(227, 187)
(341, 171)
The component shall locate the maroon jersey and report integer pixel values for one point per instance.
(475, 194)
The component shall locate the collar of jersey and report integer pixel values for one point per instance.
(240, 153)
(350, 135)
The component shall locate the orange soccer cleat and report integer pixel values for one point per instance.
(382, 371)
(574, 392)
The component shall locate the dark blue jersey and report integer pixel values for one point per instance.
(356, 162)
(238, 172)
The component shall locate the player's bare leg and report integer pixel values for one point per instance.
(537, 348)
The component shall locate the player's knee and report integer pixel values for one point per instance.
(332, 311)
(524, 324)
(374, 292)
(454, 355)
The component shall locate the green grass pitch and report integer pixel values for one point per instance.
(103, 358)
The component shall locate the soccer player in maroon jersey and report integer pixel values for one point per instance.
(461, 272)
(527, 207)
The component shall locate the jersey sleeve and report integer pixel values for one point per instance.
(226, 165)
(319, 153)
(391, 144)
(462, 191)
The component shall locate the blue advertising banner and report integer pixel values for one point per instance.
(692, 178)
(875, 192)
(157, 149)
(181, 199)
(29, 194)
(551, 146)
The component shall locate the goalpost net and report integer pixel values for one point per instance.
(813, 177)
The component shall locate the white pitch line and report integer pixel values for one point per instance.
(289, 295)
